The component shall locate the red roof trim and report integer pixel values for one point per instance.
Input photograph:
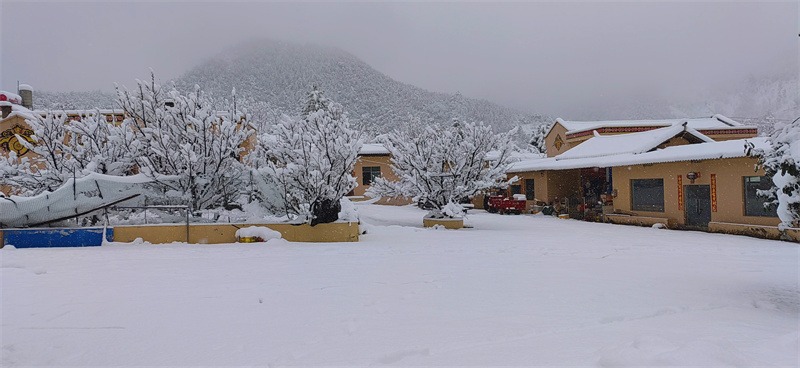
(610, 130)
(729, 131)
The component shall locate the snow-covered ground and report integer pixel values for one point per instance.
(513, 290)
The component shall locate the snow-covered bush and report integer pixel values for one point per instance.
(441, 167)
(348, 211)
(782, 163)
(304, 166)
(187, 136)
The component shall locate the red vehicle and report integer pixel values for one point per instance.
(501, 204)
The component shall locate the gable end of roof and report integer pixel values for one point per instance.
(726, 120)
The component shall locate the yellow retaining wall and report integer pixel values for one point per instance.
(638, 220)
(447, 223)
(758, 231)
(394, 201)
(226, 233)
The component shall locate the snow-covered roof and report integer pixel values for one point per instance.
(701, 151)
(714, 122)
(640, 142)
(11, 97)
(514, 155)
(373, 149)
(81, 112)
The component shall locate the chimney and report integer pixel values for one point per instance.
(26, 92)
(5, 106)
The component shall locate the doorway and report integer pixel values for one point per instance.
(698, 205)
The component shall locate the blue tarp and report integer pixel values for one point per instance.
(56, 237)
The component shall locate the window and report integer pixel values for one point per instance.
(516, 189)
(754, 203)
(647, 195)
(529, 188)
(369, 173)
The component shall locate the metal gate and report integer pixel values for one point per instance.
(698, 205)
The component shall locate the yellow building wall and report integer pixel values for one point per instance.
(539, 184)
(729, 188)
(539, 187)
(383, 161)
(563, 184)
(557, 133)
(9, 122)
(548, 186)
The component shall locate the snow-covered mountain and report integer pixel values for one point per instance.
(74, 100)
(281, 74)
(277, 75)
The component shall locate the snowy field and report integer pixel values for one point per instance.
(513, 290)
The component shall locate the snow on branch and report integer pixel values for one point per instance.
(185, 135)
(442, 166)
(782, 164)
(304, 166)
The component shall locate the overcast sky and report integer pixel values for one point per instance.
(545, 57)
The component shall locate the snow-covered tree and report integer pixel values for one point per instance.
(96, 145)
(49, 164)
(66, 148)
(443, 166)
(304, 166)
(782, 163)
(259, 114)
(186, 136)
(536, 140)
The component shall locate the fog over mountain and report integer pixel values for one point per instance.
(278, 75)
(282, 73)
